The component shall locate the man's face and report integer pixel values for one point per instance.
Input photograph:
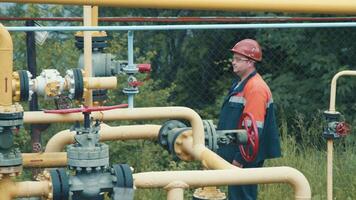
(240, 64)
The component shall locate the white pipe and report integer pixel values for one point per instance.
(184, 27)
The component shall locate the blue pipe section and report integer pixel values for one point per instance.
(184, 27)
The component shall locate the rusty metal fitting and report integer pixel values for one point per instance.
(209, 193)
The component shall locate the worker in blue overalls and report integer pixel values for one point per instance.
(251, 94)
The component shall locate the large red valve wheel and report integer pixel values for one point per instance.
(86, 109)
(250, 149)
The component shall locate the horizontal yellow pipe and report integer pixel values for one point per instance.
(228, 177)
(10, 190)
(131, 114)
(100, 82)
(63, 138)
(57, 159)
(303, 6)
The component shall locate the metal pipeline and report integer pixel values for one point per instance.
(10, 190)
(304, 6)
(131, 114)
(6, 65)
(87, 18)
(100, 82)
(48, 159)
(330, 141)
(228, 177)
(107, 133)
(333, 87)
(212, 161)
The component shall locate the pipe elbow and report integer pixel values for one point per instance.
(299, 183)
(5, 39)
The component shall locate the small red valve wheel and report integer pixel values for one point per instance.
(85, 109)
(144, 68)
(343, 129)
(135, 83)
(249, 151)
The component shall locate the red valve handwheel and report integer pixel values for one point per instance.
(343, 129)
(86, 109)
(144, 68)
(249, 151)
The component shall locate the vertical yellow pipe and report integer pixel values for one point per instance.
(6, 51)
(88, 95)
(330, 169)
(94, 15)
(175, 194)
(330, 141)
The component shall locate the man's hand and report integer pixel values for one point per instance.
(237, 164)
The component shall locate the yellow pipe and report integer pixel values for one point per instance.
(100, 82)
(175, 190)
(10, 190)
(303, 6)
(330, 141)
(333, 86)
(63, 138)
(329, 188)
(94, 15)
(211, 160)
(228, 177)
(88, 94)
(6, 65)
(57, 159)
(183, 148)
(131, 114)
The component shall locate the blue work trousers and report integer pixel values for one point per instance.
(239, 192)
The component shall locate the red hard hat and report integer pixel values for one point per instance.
(249, 48)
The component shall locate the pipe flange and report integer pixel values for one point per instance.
(208, 193)
(75, 83)
(11, 171)
(11, 120)
(99, 40)
(123, 174)
(60, 184)
(23, 85)
(46, 176)
(210, 135)
(86, 158)
(123, 182)
(164, 132)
